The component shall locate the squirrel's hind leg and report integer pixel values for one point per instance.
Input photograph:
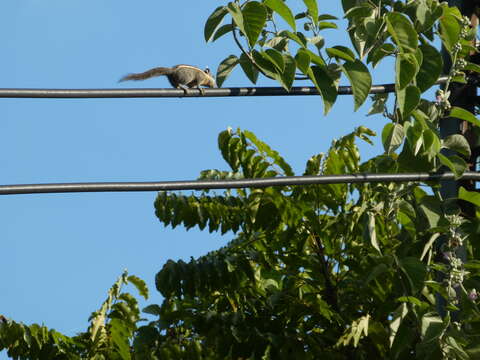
(184, 88)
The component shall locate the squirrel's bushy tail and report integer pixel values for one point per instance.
(158, 71)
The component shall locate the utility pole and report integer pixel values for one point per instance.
(463, 96)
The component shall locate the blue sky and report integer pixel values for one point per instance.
(61, 252)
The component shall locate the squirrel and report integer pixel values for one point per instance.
(179, 76)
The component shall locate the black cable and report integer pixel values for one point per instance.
(229, 184)
(159, 93)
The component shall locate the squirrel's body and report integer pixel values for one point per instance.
(179, 76)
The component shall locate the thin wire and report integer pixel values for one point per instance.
(168, 93)
(229, 184)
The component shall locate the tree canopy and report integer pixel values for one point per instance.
(340, 271)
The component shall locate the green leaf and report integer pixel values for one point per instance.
(406, 68)
(236, 13)
(431, 67)
(463, 114)
(408, 99)
(325, 86)
(140, 285)
(426, 15)
(402, 32)
(378, 53)
(303, 60)
(432, 144)
(359, 12)
(341, 52)
(254, 19)
(401, 334)
(275, 58)
(472, 67)
(248, 68)
(392, 137)
(378, 106)
(283, 10)
(457, 348)
(300, 40)
(432, 209)
(326, 17)
(268, 151)
(470, 196)
(288, 75)
(372, 233)
(225, 68)
(265, 64)
(458, 143)
(314, 58)
(120, 336)
(153, 309)
(222, 30)
(279, 43)
(360, 79)
(312, 9)
(377, 270)
(213, 21)
(327, 25)
(455, 163)
(416, 272)
(449, 29)
(428, 245)
(432, 327)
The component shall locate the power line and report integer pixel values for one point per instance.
(161, 93)
(228, 184)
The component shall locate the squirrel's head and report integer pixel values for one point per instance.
(211, 79)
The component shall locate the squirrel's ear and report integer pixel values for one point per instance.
(207, 70)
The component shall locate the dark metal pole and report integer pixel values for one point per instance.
(463, 96)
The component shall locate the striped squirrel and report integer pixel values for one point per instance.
(179, 76)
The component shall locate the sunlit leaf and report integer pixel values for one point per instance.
(275, 58)
(222, 30)
(470, 196)
(341, 52)
(225, 68)
(458, 143)
(466, 115)
(378, 53)
(402, 32)
(214, 21)
(449, 28)
(139, 284)
(431, 68)
(254, 18)
(378, 106)
(248, 68)
(288, 75)
(236, 13)
(455, 163)
(408, 99)
(325, 86)
(392, 137)
(312, 8)
(406, 70)
(283, 10)
(303, 60)
(360, 80)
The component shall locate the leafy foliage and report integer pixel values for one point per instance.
(339, 271)
(109, 335)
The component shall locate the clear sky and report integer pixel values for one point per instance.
(61, 252)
